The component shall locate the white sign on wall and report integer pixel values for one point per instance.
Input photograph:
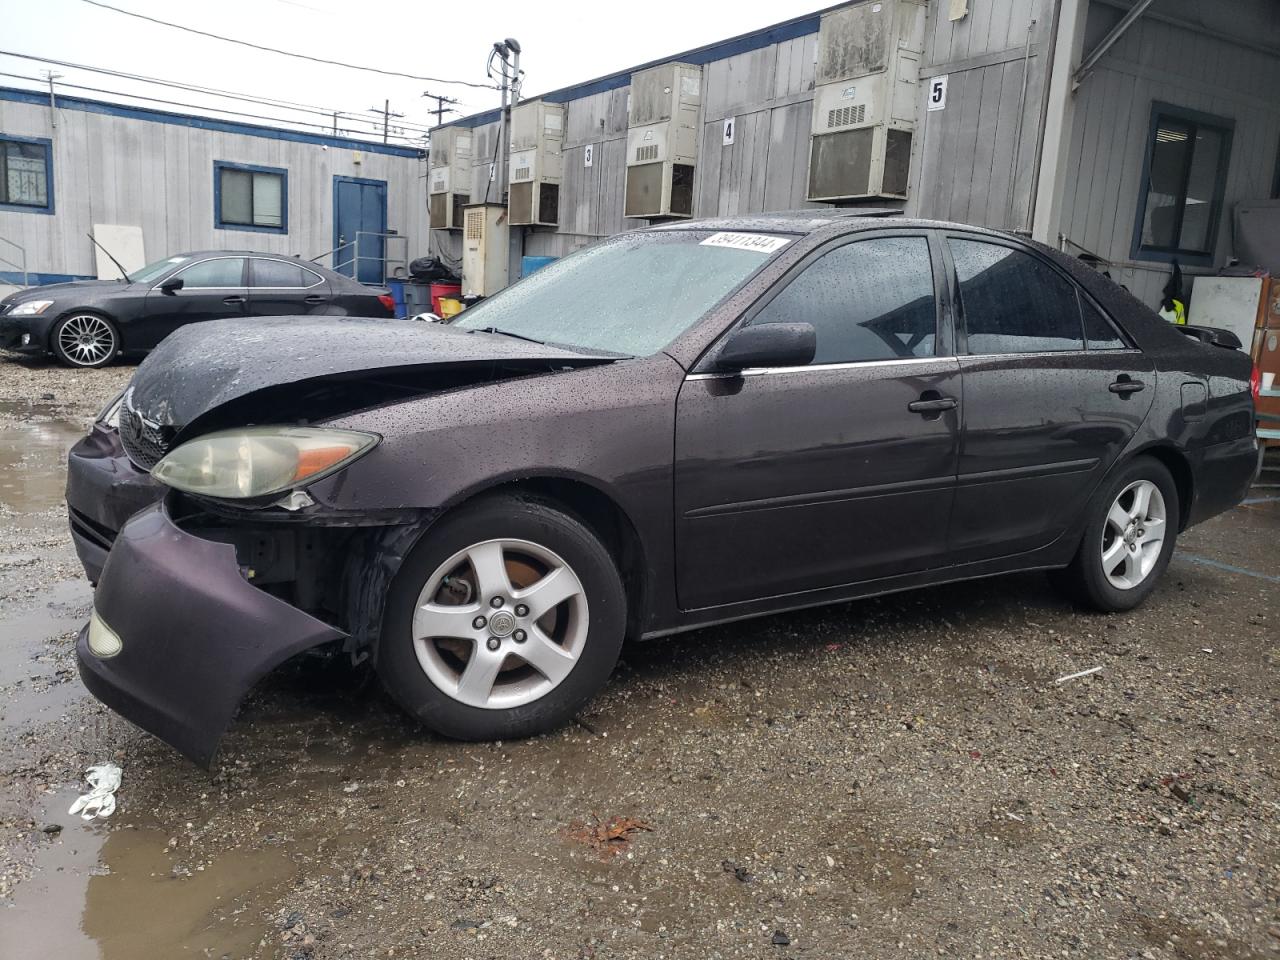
(588, 154)
(938, 93)
(730, 123)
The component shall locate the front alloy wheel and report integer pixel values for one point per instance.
(502, 621)
(500, 624)
(85, 340)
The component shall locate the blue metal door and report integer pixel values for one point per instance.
(359, 225)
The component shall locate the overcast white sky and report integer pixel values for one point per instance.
(564, 42)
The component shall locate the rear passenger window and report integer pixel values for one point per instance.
(1099, 334)
(277, 273)
(1014, 302)
(868, 300)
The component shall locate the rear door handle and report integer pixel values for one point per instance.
(933, 406)
(232, 300)
(315, 299)
(1125, 386)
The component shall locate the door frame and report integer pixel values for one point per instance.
(363, 181)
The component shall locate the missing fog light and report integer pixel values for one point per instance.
(103, 641)
(26, 339)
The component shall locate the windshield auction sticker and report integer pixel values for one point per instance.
(759, 242)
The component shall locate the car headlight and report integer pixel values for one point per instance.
(259, 461)
(31, 308)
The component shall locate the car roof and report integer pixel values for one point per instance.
(820, 219)
(237, 253)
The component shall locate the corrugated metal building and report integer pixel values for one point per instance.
(1138, 158)
(190, 183)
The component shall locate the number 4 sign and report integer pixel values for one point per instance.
(938, 93)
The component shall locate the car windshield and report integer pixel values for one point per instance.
(154, 271)
(629, 296)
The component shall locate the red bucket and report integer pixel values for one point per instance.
(439, 290)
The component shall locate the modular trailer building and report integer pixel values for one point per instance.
(179, 182)
(1128, 129)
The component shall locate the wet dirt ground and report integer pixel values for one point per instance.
(899, 777)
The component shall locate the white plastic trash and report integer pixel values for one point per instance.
(100, 801)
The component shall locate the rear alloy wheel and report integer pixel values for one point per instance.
(503, 622)
(85, 340)
(1128, 540)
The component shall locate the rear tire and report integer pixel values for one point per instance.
(85, 339)
(1130, 528)
(503, 621)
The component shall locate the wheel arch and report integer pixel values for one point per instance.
(1179, 467)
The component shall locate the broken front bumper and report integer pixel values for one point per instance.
(196, 635)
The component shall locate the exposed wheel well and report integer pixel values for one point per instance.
(606, 519)
(1180, 470)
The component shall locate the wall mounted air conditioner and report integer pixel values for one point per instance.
(485, 248)
(864, 100)
(662, 141)
(535, 163)
(448, 177)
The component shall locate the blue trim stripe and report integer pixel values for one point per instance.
(14, 95)
(1229, 568)
(700, 56)
(39, 279)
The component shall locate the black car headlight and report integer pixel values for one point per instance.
(259, 461)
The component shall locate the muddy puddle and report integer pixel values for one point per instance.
(91, 881)
(34, 440)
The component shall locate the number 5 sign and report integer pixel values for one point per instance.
(938, 93)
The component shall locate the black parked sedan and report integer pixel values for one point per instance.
(88, 323)
(680, 426)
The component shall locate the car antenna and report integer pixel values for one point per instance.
(124, 274)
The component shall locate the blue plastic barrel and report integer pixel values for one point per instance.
(397, 293)
(530, 264)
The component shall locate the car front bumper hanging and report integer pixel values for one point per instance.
(195, 634)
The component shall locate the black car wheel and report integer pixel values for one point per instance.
(85, 340)
(503, 621)
(1129, 535)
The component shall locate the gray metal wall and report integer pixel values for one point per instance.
(159, 176)
(1214, 61)
(974, 161)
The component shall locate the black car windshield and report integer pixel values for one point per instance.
(629, 296)
(154, 271)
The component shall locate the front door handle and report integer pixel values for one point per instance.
(233, 300)
(933, 405)
(1124, 386)
(315, 299)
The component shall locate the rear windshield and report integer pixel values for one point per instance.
(629, 296)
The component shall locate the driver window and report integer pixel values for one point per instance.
(867, 300)
(221, 273)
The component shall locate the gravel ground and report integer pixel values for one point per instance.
(899, 777)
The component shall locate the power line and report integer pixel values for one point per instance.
(264, 101)
(192, 106)
(287, 53)
(443, 105)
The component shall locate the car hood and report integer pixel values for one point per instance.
(73, 288)
(201, 367)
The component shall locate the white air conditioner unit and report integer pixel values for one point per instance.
(535, 163)
(662, 141)
(864, 100)
(448, 176)
(485, 250)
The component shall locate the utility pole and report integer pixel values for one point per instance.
(440, 109)
(507, 52)
(386, 117)
(53, 100)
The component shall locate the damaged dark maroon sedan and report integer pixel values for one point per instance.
(680, 426)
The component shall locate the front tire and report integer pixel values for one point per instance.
(503, 621)
(1129, 535)
(85, 340)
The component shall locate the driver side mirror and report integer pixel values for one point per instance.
(172, 285)
(769, 345)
